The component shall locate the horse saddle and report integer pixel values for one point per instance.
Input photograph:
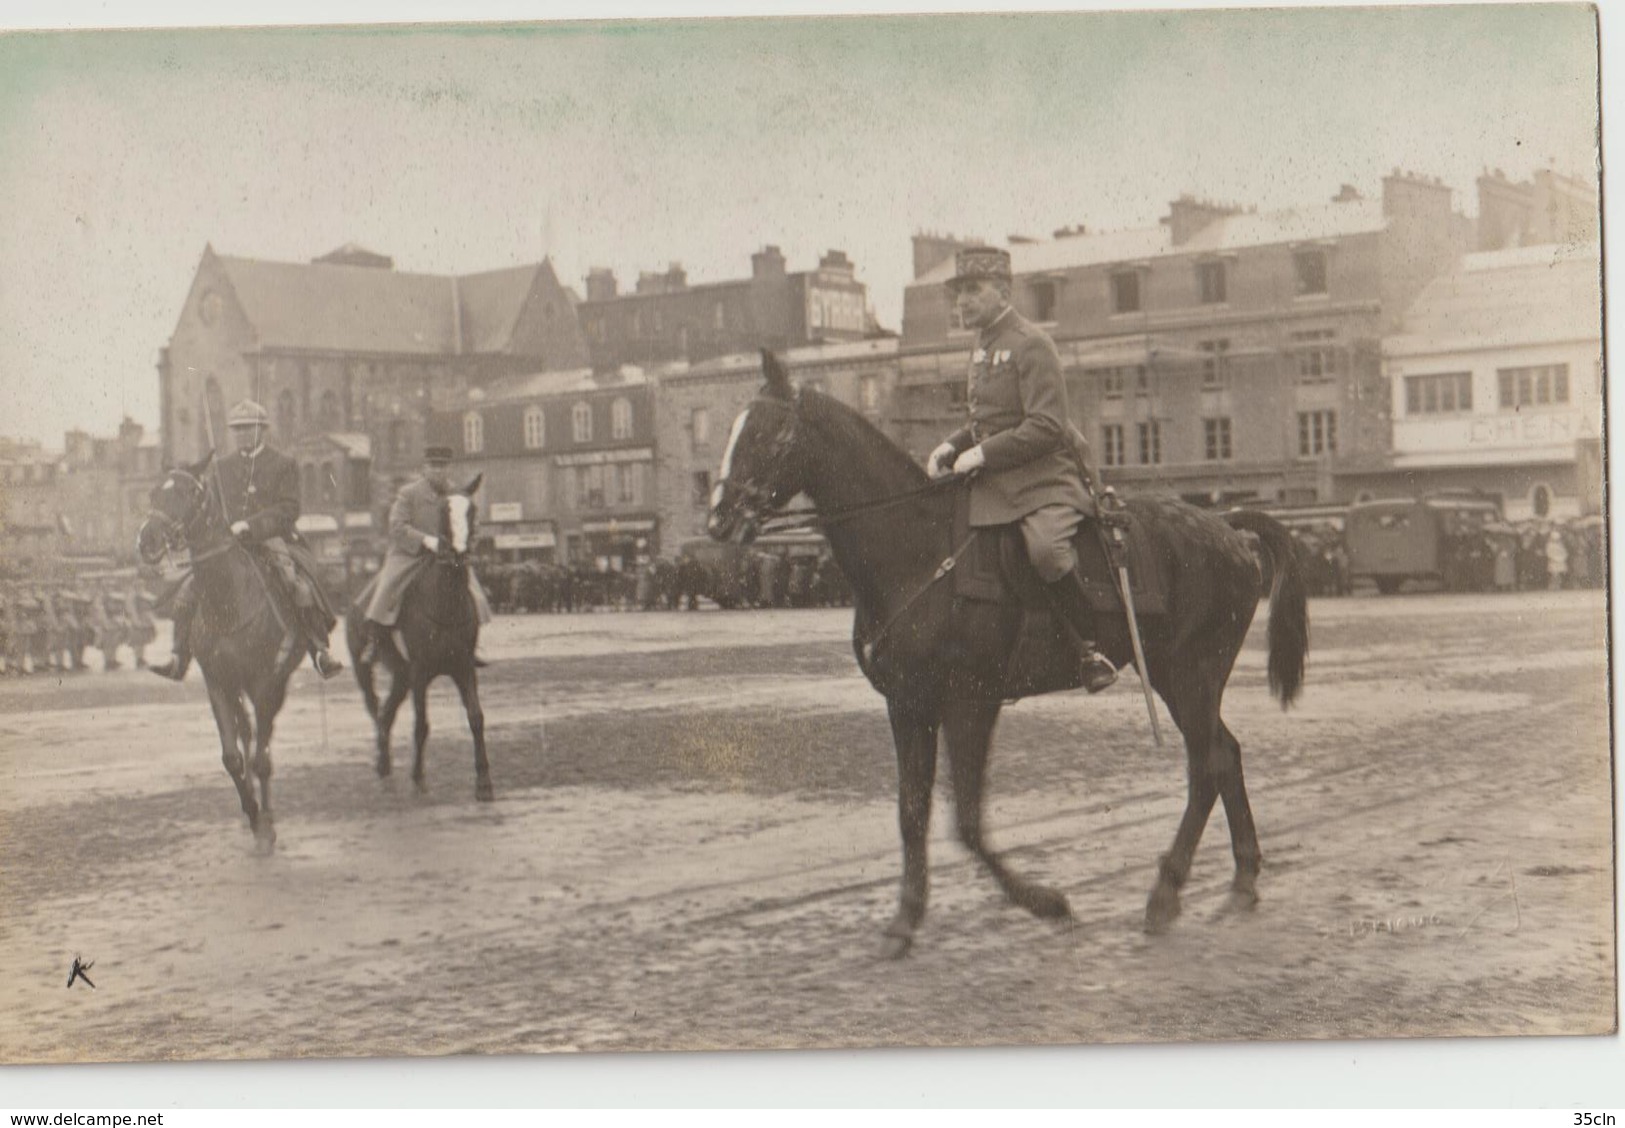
(995, 568)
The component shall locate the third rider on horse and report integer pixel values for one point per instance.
(1019, 444)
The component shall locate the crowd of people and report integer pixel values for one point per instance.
(1532, 555)
(49, 627)
(740, 579)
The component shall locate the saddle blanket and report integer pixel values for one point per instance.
(995, 569)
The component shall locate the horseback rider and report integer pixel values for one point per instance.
(412, 545)
(261, 496)
(1019, 443)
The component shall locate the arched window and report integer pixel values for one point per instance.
(620, 418)
(869, 392)
(330, 416)
(286, 422)
(1540, 500)
(473, 433)
(581, 422)
(535, 428)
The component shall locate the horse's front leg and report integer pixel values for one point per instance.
(265, 711)
(225, 720)
(420, 726)
(968, 727)
(915, 734)
(468, 686)
(385, 722)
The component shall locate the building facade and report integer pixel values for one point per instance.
(568, 465)
(351, 357)
(1496, 383)
(1225, 356)
(665, 319)
(696, 406)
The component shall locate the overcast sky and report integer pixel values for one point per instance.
(630, 146)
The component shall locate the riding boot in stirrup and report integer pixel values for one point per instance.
(326, 665)
(181, 659)
(1068, 596)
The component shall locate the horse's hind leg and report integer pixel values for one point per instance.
(1193, 699)
(1239, 814)
(420, 727)
(226, 714)
(968, 726)
(386, 717)
(916, 740)
(468, 685)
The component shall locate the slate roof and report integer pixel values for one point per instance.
(339, 308)
(1250, 229)
(1526, 295)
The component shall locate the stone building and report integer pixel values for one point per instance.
(666, 318)
(1225, 355)
(350, 356)
(1496, 379)
(568, 462)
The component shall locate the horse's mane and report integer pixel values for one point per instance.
(851, 431)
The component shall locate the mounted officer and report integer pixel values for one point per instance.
(1028, 462)
(414, 539)
(261, 496)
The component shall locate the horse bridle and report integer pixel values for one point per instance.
(761, 505)
(175, 529)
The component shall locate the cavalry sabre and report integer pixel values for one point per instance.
(1111, 516)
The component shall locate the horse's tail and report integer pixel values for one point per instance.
(1289, 605)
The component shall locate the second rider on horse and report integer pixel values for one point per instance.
(260, 488)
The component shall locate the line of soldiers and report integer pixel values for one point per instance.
(48, 627)
(754, 579)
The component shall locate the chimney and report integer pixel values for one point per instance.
(1020, 240)
(1347, 194)
(676, 277)
(930, 250)
(1187, 216)
(836, 262)
(1411, 194)
(1070, 232)
(767, 262)
(600, 284)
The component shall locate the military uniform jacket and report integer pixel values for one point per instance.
(1018, 413)
(262, 489)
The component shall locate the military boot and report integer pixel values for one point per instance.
(174, 668)
(1070, 600)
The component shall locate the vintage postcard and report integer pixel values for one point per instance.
(934, 530)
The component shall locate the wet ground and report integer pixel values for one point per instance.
(694, 846)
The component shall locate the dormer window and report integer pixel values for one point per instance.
(473, 433)
(1125, 291)
(1211, 282)
(1310, 264)
(1042, 295)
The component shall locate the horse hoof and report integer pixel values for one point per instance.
(484, 792)
(1047, 904)
(1161, 911)
(384, 767)
(895, 947)
(1241, 901)
(421, 785)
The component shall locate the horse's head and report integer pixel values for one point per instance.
(179, 511)
(457, 517)
(762, 467)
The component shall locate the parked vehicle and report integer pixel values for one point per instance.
(1436, 537)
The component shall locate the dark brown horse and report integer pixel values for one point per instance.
(438, 629)
(939, 661)
(246, 641)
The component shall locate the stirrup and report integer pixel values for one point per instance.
(326, 665)
(479, 663)
(1098, 671)
(174, 668)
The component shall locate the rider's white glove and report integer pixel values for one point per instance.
(240, 528)
(973, 459)
(431, 543)
(941, 458)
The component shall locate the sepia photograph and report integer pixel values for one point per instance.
(843, 532)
